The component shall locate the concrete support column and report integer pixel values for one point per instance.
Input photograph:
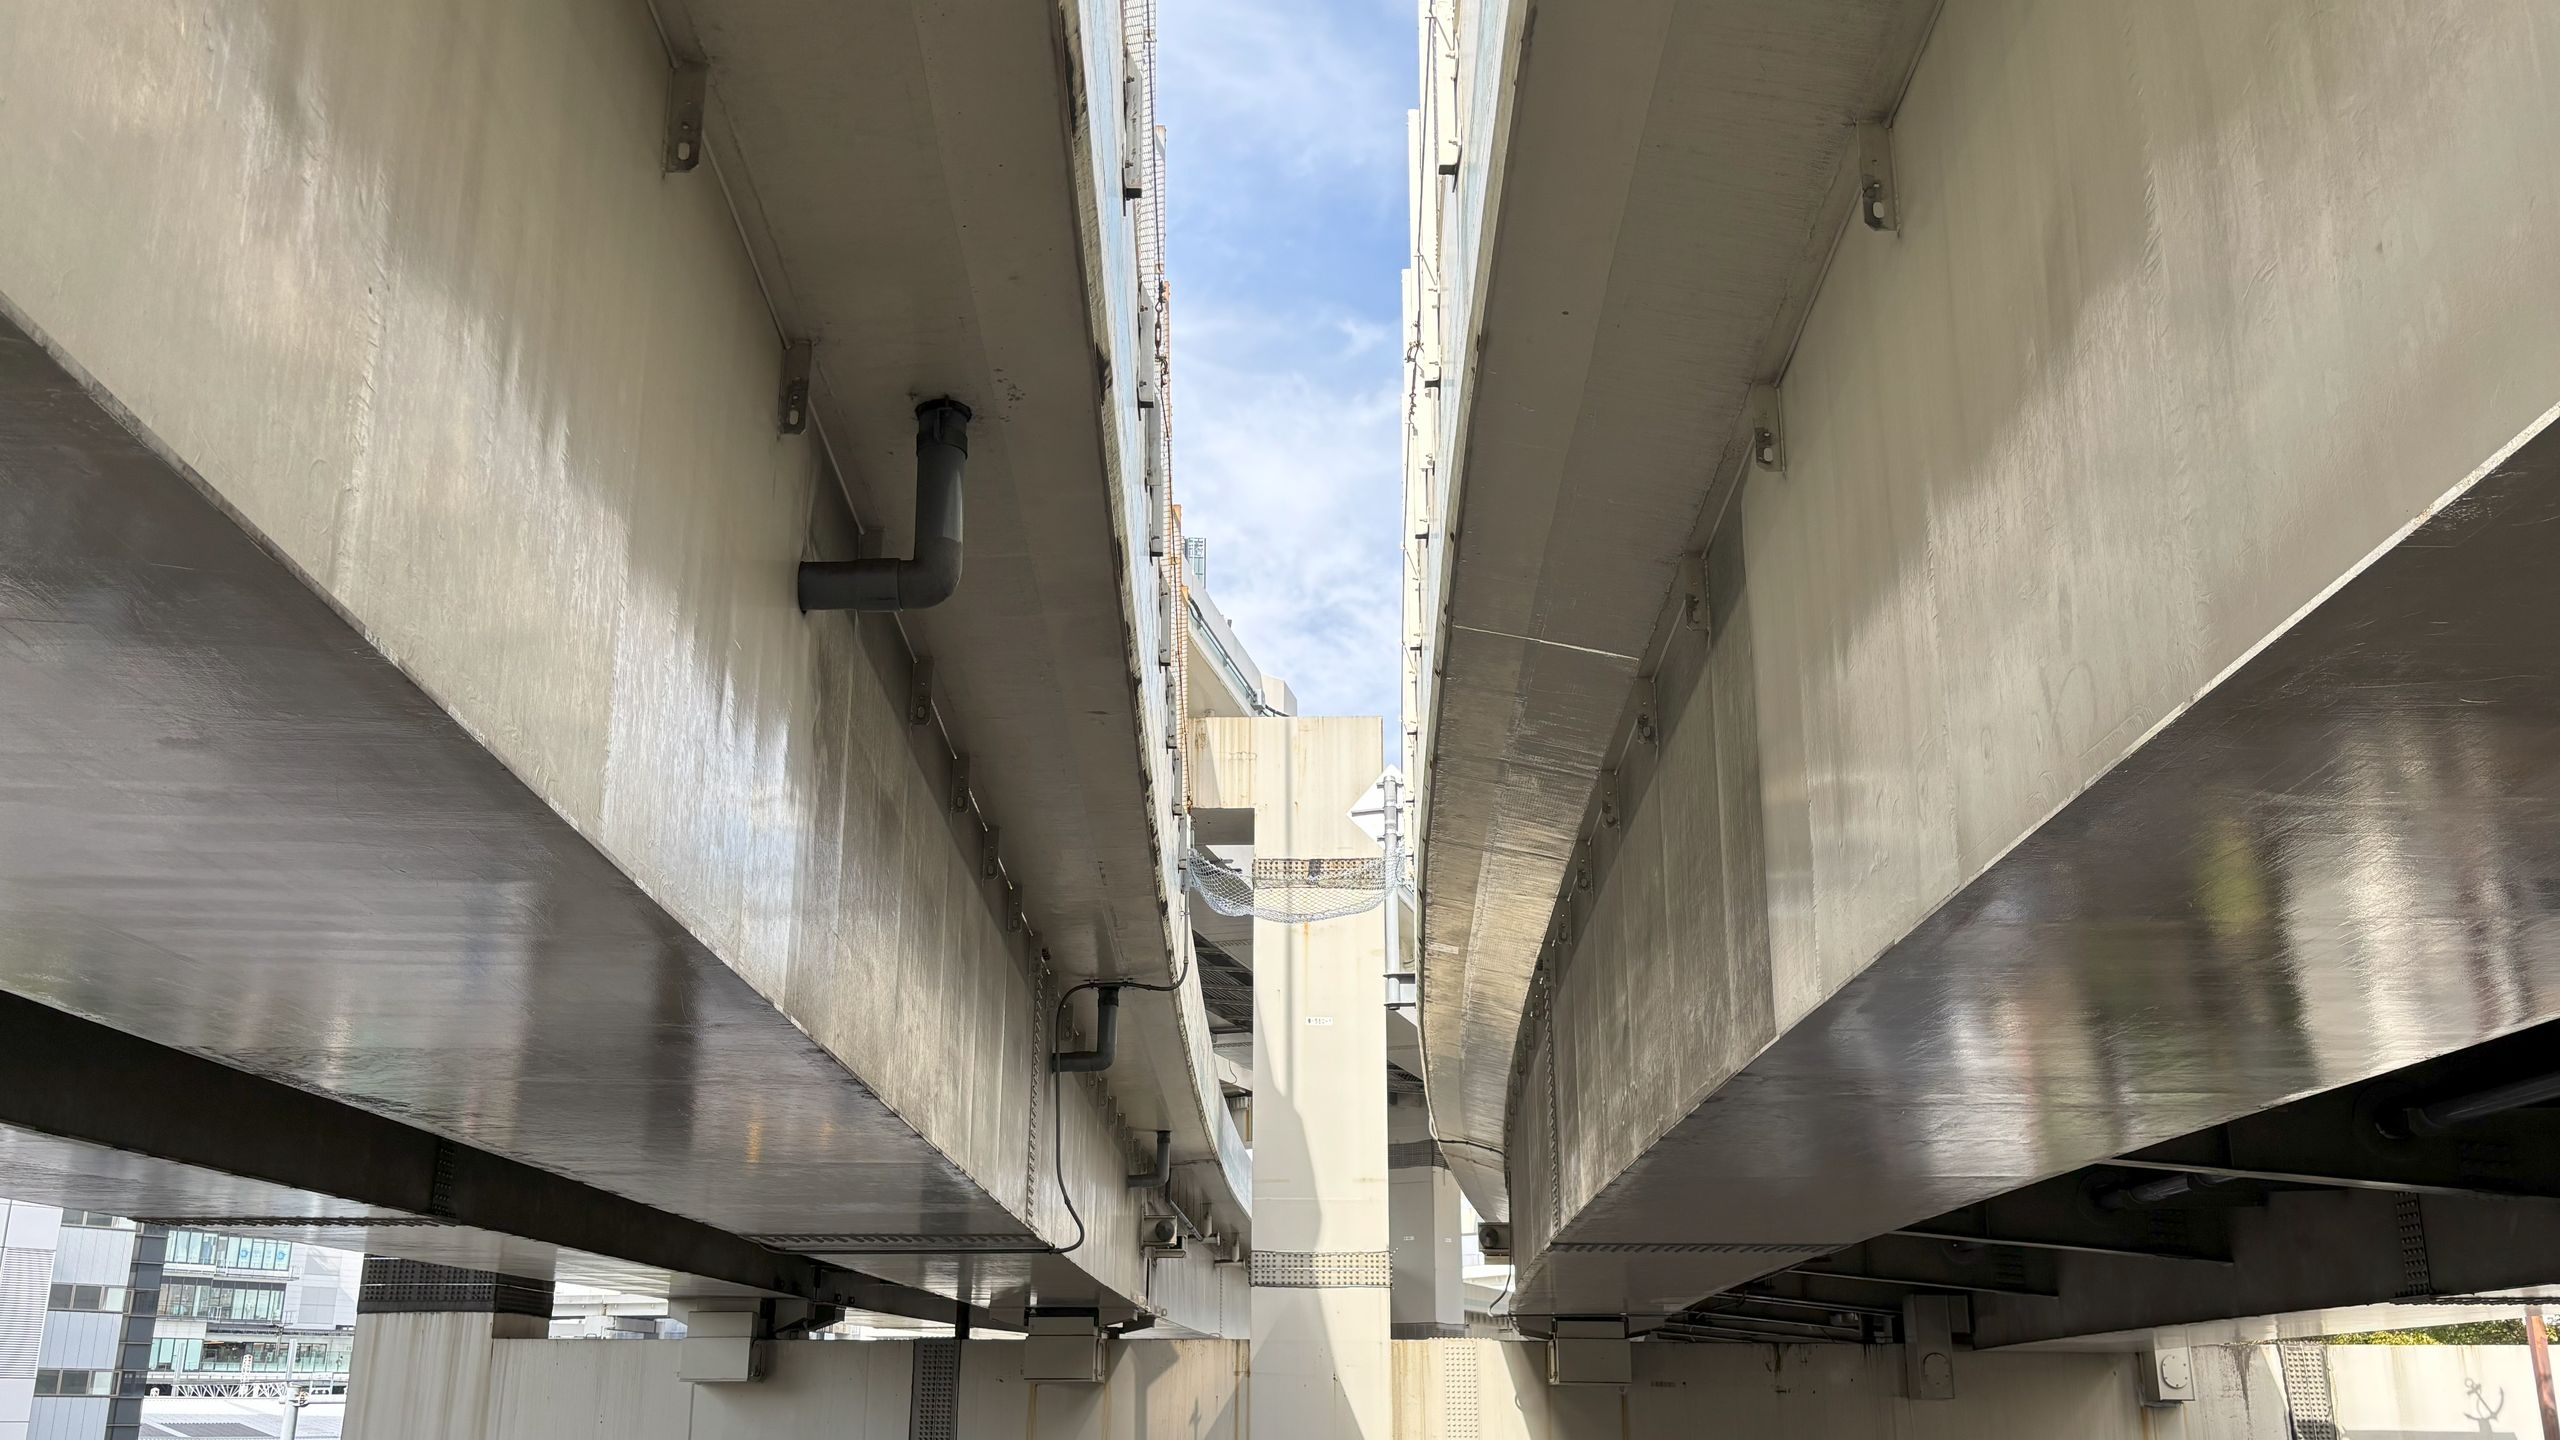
(1429, 1299)
(424, 1360)
(1321, 1268)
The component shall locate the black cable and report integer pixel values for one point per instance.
(1057, 1117)
(1057, 1110)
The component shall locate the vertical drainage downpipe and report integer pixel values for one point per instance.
(1106, 1036)
(929, 576)
(1162, 1174)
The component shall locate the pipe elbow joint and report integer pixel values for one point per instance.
(1106, 1037)
(930, 578)
(1162, 1174)
(933, 573)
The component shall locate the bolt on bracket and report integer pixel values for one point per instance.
(1697, 607)
(687, 88)
(791, 414)
(1766, 424)
(920, 692)
(1878, 203)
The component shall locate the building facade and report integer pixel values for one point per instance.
(77, 1291)
(249, 1315)
(97, 1312)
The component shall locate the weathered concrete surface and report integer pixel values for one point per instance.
(2177, 334)
(532, 1389)
(1321, 1268)
(403, 291)
(1643, 194)
(1498, 1390)
(1797, 1392)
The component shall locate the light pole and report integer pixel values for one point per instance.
(293, 1404)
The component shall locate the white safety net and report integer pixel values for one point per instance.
(1294, 892)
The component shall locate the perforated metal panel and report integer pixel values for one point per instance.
(1458, 1415)
(2306, 1390)
(1042, 1042)
(392, 1287)
(1322, 1270)
(1416, 1155)
(2417, 1275)
(849, 1241)
(934, 1413)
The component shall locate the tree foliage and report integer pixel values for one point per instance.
(2468, 1332)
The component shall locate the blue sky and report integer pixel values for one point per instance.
(1285, 140)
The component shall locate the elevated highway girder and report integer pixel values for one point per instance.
(2109, 722)
(406, 697)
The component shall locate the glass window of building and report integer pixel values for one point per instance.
(87, 1297)
(93, 1220)
(321, 1357)
(184, 1300)
(75, 1382)
(228, 1252)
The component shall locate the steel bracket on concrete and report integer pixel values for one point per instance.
(1765, 422)
(960, 796)
(920, 691)
(1697, 603)
(791, 414)
(991, 854)
(687, 89)
(1878, 203)
(1929, 1326)
(1133, 125)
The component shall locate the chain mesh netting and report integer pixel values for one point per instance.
(1294, 892)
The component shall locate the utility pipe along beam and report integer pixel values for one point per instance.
(1162, 1173)
(1106, 1037)
(928, 577)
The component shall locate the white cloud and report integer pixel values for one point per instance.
(1293, 474)
(1285, 122)
(1283, 84)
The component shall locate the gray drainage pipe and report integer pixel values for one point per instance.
(1106, 1036)
(1162, 1175)
(928, 578)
